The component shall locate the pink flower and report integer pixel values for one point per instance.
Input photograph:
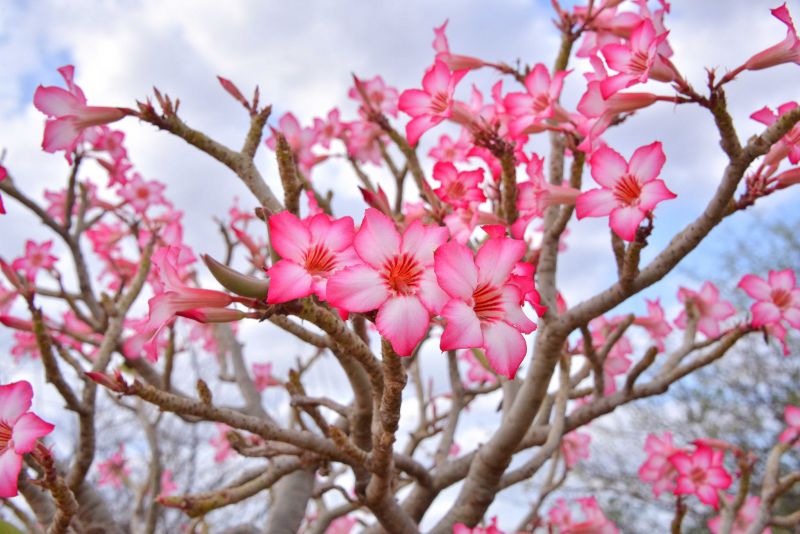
(222, 447)
(341, 525)
(19, 430)
(396, 278)
(312, 250)
(778, 298)
(24, 344)
(168, 485)
(710, 309)
(539, 103)
(789, 144)
(657, 469)
(114, 470)
(300, 140)
(575, 447)
(655, 323)
(433, 104)
(484, 310)
(745, 517)
(142, 194)
(629, 191)
(461, 528)
(69, 114)
(262, 376)
(635, 60)
(787, 51)
(594, 521)
(701, 474)
(459, 189)
(537, 194)
(476, 373)
(454, 61)
(792, 416)
(381, 97)
(454, 152)
(330, 129)
(36, 257)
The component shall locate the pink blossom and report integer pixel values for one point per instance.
(575, 447)
(789, 144)
(69, 114)
(396, 278)
(745, 517)
(657, 469)
(381, 97)
(655, 323)
(434, 103)
(636, 60)
(787, 51)
(167, 484)
(454, 61)
(262, 376)
(341, 525)
(701, 474)
(37, 256)
(594, 521)
(330, 129)
(791, 415)
(312, 250)
(114, 470)
(300, 140)
(778, 298)
(19, 430)
(222, 447)
(539, 103)
(459, 188)
(461, 528)
(453, 151)
(141, 193)
(24, 344)
(629, 190)
(476, 373)
(484, 310)
(710, 309)
(536, 194)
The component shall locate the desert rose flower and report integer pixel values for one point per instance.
(701, 473)
(778, 298)
(711, 310)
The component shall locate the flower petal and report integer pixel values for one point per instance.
(765, 313)
(288, 281)
(403, 320)
(756, 287)
(10, 465)
(357, 289)
(505, 348)
(652, 193)
(463, 329)
(289, 236)
(15, 400)
(497, 258)
(377, 240)
(455, 270)
(595, 203)
(782, 279)
(607, 166)
(647, 161)
(27, 430)
(422, 240)
(625, 221)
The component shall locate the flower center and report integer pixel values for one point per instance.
(456, 190)
(488, 303)
(440, 102)
(319, 260)
(627, 190)
(403, 274)
(697, 475)
(5, 436)
(638, 63)
(781, 298)
(541, 102)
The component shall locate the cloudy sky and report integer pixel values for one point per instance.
(302, 55)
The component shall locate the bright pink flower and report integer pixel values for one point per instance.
(778, 298)
(434, 103)
(362, 141)
(69, 114)
(114, 470)
(36, 257)
(745, 517)
(141, 193)
(537, 194)
(24, 344)
(636, 60)
(396, 278)
(787, 51)
(594, 521)
(710, 309)
(312, 250)
(454, 152)
(381, 97)
(262, 376)
(19, 430)
(461, 528)
(792, 416)
(300, 140)
(459, 188)
(789, 144)
(701, 474)
(167, 484)
(476, 373)
(608, 26)
(484, 310)
(629, 191)
(454, 61)
(575, 447)
(655, 323)
(657, 469)
(539, 103)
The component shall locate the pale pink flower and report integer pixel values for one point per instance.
(362, 141)
(608, 26)
(745, 517)
(710, 309)
(778, 298)
(629, 190)
(657, 469)
(142, 194)
(262, 376)
(787, 51)
(396, 278)
(312, 250)
(37, 257)
(529, 110)
(459, 188)
(381, 97)
(701, 474)
(484, 310)
(222, 447)
(594, 521)
(461, 528)
(575, 447)
(329, 129)
(454, 61)
(167, 484)
(433, 103)
(114, 470)
(655, 323)
(25, 344)
(300, 140)
(789, 144)
(635, 61)
(537, 194)
(476, 372)
(453, 151)
(19, 430)
(791, 415)
(69, 114)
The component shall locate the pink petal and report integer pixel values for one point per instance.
(595, 203)
(60, 134)
(445, 172)
(518, 103)
(463, 329)
(708, 326)
(764, 116)
(15, 400)
(10, 465)
(56, 102)
(377, 240)
(505, 348)
(289, 236)
(765, 313)
(625, 221)
(431, 295)
(422, 240)
(335, 234)
(616, 83)
(643, 36)
(415, 102)
(27, 430)
(455, 270)
(538, 81)
(792, 316)
(403, 320)
(718, 477)
(684, 486)
(647, 161)
(782, 279)
(497, 258)
(357, 289)
(617, 56)
(755, 287)
(437, 78)
(514, 314)
(708, 495)
(652, 193)
(419, 126)
(607, 166)
(288, 281)
(792, 416)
